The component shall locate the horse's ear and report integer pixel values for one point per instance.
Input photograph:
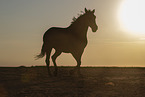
(93, 11)
(86, 10)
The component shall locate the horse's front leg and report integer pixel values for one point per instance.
(78, 67)
(77, 57)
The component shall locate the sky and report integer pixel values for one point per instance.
(23, 23)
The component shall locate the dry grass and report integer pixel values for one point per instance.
(95, 82)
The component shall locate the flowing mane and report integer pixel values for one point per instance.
(79, 18)
(76, 19)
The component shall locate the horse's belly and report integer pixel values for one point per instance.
(63, 47)
(65, 42)
(69, 47)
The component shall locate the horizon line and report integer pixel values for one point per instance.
(74, 66)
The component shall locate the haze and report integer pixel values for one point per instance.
(23, 24)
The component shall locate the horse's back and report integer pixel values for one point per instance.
(62, 39)
(59, 37)
(53, 33)
(54, 30)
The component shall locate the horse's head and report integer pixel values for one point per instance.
(91, 19)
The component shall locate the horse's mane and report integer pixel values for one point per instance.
(79, 16)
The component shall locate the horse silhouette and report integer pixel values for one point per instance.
(72, 39)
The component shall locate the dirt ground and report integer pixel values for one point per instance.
(95, 82)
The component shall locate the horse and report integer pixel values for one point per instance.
(71, 39)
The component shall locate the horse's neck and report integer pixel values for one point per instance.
(79, 29)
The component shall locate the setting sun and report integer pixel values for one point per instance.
(132, 16)
(119, 40)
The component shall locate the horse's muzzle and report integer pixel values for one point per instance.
(95, 29)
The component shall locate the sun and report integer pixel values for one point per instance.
(132, 16)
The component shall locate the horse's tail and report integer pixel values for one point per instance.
(42, 54)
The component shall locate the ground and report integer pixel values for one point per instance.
(94, 82)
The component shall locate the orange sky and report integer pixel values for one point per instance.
(23, 24)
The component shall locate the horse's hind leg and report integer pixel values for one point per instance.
(55, 55)
(48, 52)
